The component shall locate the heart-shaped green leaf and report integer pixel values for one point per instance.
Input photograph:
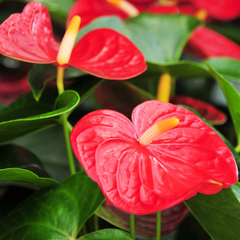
(233, 98)
(219, 213)
(107, 234)
(26, 115)
(54, 213)
(20, 165)
(161, 38)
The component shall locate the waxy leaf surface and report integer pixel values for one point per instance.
(219, 213)
(54, 213)
(233, 98)
(27, 116)
(28, 35)
(107, 234)
(107, 54)
(185, 160)
(20, 165)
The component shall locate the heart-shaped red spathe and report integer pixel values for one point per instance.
(187, 159)
(106, 53)
(222, 10)
(28, 36)
(90, 10)
(206, 43)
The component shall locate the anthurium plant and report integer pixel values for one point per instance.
(119, 119)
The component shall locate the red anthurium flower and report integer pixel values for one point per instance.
(222, 10)
(102, 52)
(145, 225)
(166, 155)
(210, 113)
(206, 43)
(89, 10)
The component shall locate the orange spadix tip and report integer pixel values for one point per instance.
(164, 88)
(115, 2)
(156, 130)
(201, 14)
(68, 41)
(167, 2)
(125, 6)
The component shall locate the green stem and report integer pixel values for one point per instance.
(158, 226)
(60, 77)
(132, 225)
(96, 225)
(65, 123)
(68, 144)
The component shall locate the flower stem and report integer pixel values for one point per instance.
(66, 125)
(60, 77)
(68, 144)
(132, 225)
(158, 226)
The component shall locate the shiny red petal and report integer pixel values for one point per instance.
(107, 54)
(28, 36)
(222, 10)
(173, 168)
(206, 43)
(89, 10)
(206, 110)
(92, 130)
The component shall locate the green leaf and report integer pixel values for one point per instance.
(120, 96)
(26, 116)
(41, 74)
(107, 234)
(161, 38)
(229, 68)
(54, 213)
(20, 165)
(233, 98)
(218, 213)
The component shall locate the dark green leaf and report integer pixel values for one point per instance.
(233, 99)
(41, 74)
(18, 164)
(107, 234)
(120, 96)
(54, 213)
(26, 115)
(161, 38)
(219, 213)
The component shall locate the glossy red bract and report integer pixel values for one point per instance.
(222, 10)
(206, 43)
(174, 167)
(102, 52)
